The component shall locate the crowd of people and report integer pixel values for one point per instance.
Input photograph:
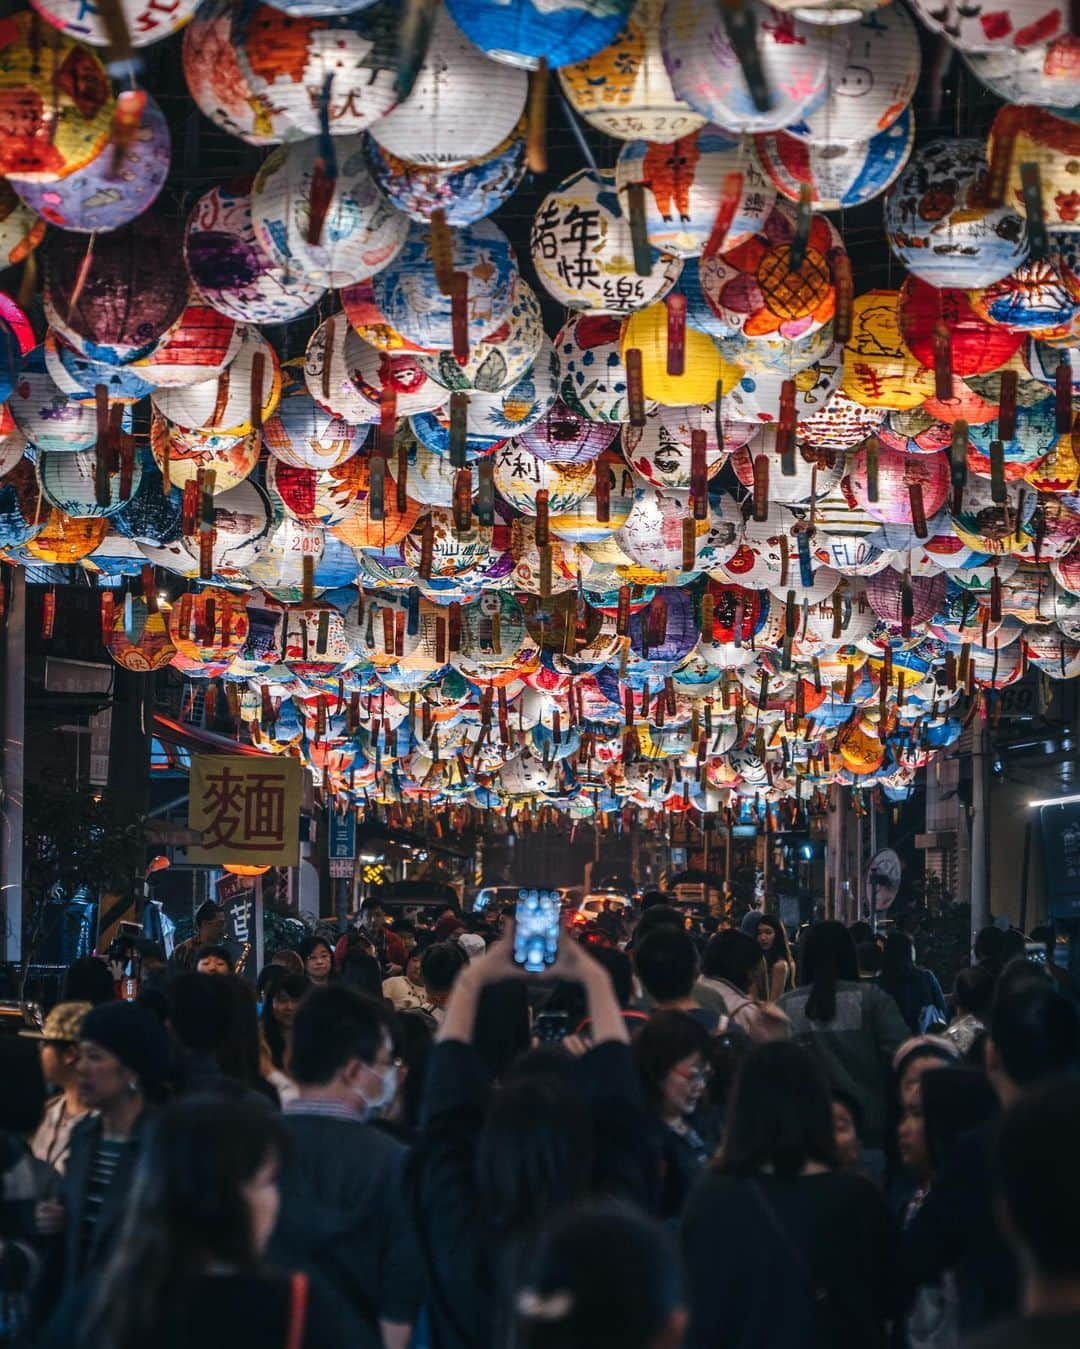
(722, 1139)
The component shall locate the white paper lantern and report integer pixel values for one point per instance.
(332, 356)
(68, 482)
(461, 107)
(224, 405)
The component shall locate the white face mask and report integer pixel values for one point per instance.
(388, 1079)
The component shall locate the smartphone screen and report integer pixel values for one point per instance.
(551, 1027)
(536, 929)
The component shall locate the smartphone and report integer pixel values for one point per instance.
(551, 1027)
(536, 930)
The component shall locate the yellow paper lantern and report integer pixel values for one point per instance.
(879, 371)
(703, 365)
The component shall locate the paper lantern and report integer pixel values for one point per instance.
(361, 231)
(461, 107)
(60, 103)
(232, 458)
(95, 198)
(198, 346)
(567, 561)
(319, 497)
(527, 401)
(1016, 27)
(593, 374)
(229, 267)
(45, 415)
(753, 289)
(68, 482)
(756, 397)
(563, 436)
(987, 526)
(976, 346)
(288, 60)
(432, 478)
(152, 516)
(454, 552)
(681, 423)
(706, 73)
(898, 473)
(501, 358)
(23, 514)
(146, 24)
(1043, 74)
(685, 182)
(361, 531)
(79, 376)
(314, 645)
(493, 634)
(816, 471)
(625, 91)
(218, 85)
(873, 70)
(652, 535)
(243, 521)
(519, 475)
(840, 424)
(1053, 144)
(520, 32)
(680, 630)
(279, 568)
(21, 229)
(1058, 471)
(16, 341)
(879, 371)
(582, 524)
(332, 356)
(703, 369)
(1049, 650)
(408, 293)
(136, 638)
(465, 195)
(62, 540)
(433, 430)
(840, 176)
(780, 355)
(657, 455)
(223, 406)
(937, 226)
(132, 291)
(302, 434)
(582, 250)
(1035, 436)
(1035, 296)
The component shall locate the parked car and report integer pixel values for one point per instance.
(408, 897)
(498, 895)
(597, 902)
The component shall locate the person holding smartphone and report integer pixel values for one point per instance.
(490, 1167)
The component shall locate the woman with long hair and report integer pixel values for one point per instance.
(775, 1212)
(914, 988)
(282, 995)
(853, 1027)
(189, 1270)
(772, 938)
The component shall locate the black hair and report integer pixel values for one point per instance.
(665, 1040)
(361, 970)
(603, 1276)
(851, 1104)
(954, 1100)
(652, 899)
(186, 1210)
(925, 1047)
(414, 1037)
(990, 948)
(667, 963)
(88, 979)
(1036, 1032)
(897, 958)
(442, 963)
(732, 956)
(296, 986)
(535, 1152)
(620, 970)
(404, 925)
(220, 951)
(333, 1025)
(23, 1097)
(660, 915)
(207, 911)
(239, 1053)
(826, 955)
(502, 1027)
(1041, 1209)
(308, 945)
(862, 931)
(198, 1009)
(780, 1112)
(973, 991)
(1019, 972)
(868, 956)
(781, 948)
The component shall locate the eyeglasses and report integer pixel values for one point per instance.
(695, 1077)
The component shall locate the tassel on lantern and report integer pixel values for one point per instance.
(536, 157)
(401, 483)
(459, 429)
(943, 361)
(676, 333)
(872, 447)
(1031, 187)
(708, 617)
(545, 571)
(1006, 418)
(603, 491)
(48, 613)
(115, 21)
(785, 431)
(718, 415)
(635, 387)
(307, 564)
(541, 527)
(463, 500)
(1063, 395)
(639, 239)
(803, 220)
(689, 544)
(907, 605)
(995, 597)
(844, 286)
(127, 119)
(440, 638)
(414, 37)
(622, 614)
(918, 510)
(454, 626)
(958, 459)
(998, 490)
(485, 493)
(384, 439)
(761, 489)
(442, 252)
(258, 369)
(741, 28)
(459, 317)
(427, 548)
(699, 491)
(806, 561)
(325, 171)
(377, 488)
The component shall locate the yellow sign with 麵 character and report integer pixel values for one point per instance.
(245, 809)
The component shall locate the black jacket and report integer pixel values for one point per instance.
(84, 1141)
(465, 1260)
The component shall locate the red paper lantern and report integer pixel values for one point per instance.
(977, 346)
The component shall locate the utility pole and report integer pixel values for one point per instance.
(980, 827)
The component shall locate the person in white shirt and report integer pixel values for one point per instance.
(407, 992)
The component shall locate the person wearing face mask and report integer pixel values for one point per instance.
(342, 1209)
